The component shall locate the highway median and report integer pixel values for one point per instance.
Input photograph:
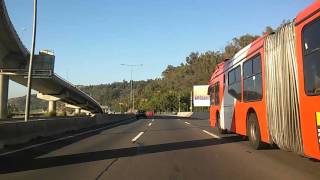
(15, 133)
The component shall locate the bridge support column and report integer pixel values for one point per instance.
(78, 111)
(4, 86)
(52, 108)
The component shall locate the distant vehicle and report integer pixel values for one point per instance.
(270, 90)
(141, 114)
(149, 114)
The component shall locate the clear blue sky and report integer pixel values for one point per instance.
(92, 38)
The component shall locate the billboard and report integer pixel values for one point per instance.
(200, 96)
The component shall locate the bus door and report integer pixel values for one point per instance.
(232, 93)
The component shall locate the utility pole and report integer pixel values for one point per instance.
(132, 99)
(191, 101)
(131, 82)
(34, 33)
(179, 102)
(131, 90)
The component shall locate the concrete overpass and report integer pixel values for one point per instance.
(14, 60)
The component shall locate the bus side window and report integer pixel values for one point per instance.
(234, 83)
(216, 94)
(212, 95)
(252, 80)
(311, 62)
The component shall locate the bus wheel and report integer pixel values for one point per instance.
(253, 132)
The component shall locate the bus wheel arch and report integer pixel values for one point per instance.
(253, 129)
(218, 124)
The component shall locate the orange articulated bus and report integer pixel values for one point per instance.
(270, 90)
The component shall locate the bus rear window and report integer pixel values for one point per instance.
(311, 63)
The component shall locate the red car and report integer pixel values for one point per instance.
(150, 114)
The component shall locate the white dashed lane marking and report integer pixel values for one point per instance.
(141, 133)
(213, 135)
(187, 123)
(137, 137)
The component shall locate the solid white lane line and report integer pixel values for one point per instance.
(56, 140)
(137, 137)
(149, 124)
(187, 123)
(213, 135)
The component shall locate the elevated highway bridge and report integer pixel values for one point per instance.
(14, 60)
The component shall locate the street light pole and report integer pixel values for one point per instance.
(131, 89)
(34, 33)
(131, 82)
(179, 102)
(191, 98)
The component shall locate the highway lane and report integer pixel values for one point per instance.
(163, 148)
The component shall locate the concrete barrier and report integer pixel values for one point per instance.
(195, 115)
(201, 115)
(21, 132)
(184, 114)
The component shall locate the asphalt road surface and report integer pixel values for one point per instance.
(160, 148)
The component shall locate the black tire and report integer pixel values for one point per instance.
(220, 131)
(253, 132)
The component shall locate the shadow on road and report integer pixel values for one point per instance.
(13, 164)
(35, 152)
